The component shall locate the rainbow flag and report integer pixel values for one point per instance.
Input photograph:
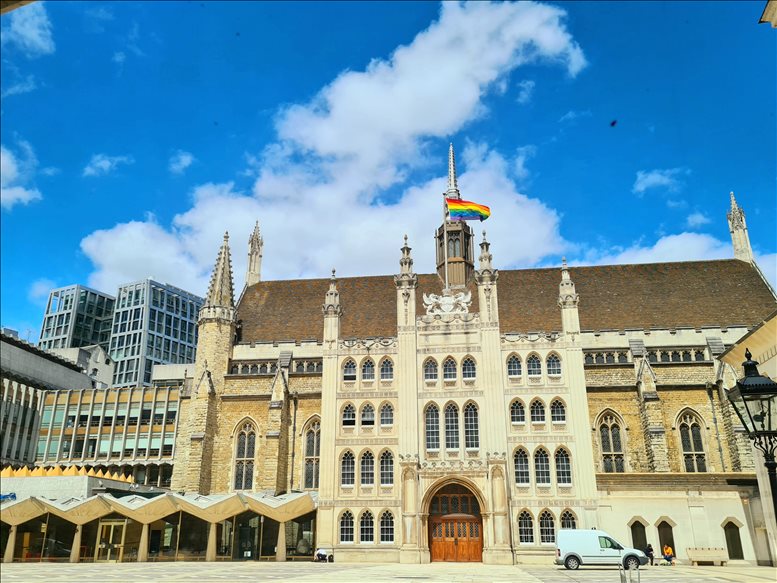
(464, 210)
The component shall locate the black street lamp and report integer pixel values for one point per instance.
(755, 400)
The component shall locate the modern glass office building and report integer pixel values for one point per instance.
(76, 316)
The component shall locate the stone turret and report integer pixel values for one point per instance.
(486, 278)
(567, 301)
(406, 282)
(255, 248)
(332, 311)
(220, 301)
(738, 229)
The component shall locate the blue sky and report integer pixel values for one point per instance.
(135, 134)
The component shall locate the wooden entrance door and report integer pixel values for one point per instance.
(455, 526)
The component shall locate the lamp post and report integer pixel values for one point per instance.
(755, 400)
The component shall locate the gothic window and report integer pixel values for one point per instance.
(622, 358)
(366, 528)
(521, 460)
(471, 430)
(300, 367)
(386, 370)
(386, 415)
(568, 520)
(517, 412)
(347, 469)
(387, 527)
(542, 467)
(386, 469)
(432, 427)
(244, 457)
(609, 358)
(534, 366)
(686, 356)
(312, 454)
(699, 355)
(537, 409)
(368, 416)
(599, 359)
(349, 370)
(349, 416)
(652, 356)
(346, 527)
(368, 370)
(254, 369)
(589, 358)
(554, 365)
(430, 370)
(693, 446)
(563, 468)
(451, 427)
(525, 528)
(558, 413)
(664, 356)
(468, 369)
(513, 366)
(612, 446)
(449, 369)
(676, 356)
(367, 469)
(547, 527)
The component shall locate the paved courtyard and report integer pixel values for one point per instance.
(312, 572)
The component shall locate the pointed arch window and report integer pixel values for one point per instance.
(517, 413)
(568, 520)
(386, 370)
(451, 427)
(449, 369)
(347, 469)
(542, 467)
(537, 408)
(387, 527)
(534, 366)
(692, 443)
(367, 528)
(513, 366)
(386, 415)
(312, 454)
(349, 415)
(430, 370)
(432, 419)
(346, 527)
(563, 468)
(525, 528)
(468, 369)
(368, 370)
(547, 527)
(521, 461)
(471, 429)
(349, 370)
(554, 365)
(611, 444)
(244, 457)
(368, 415)
(558, 413)
(386, 469)
(367, 469)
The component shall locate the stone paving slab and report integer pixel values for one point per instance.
(368, 573)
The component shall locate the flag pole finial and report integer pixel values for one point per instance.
(453, 186)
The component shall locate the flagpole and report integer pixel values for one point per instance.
(445, 238)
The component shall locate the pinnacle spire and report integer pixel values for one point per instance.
(255, 248)
(453, 186)
(734, 204)
(331, 306)
(485, 254)
(220, 290)
(406, 261)
(737, 226)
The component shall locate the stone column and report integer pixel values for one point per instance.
(9, 546)
(75, 552)
(210, 553)
(143, 545)
(280, 549)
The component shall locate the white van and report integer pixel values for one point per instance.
(594, 547)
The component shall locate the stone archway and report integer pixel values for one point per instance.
(455, 523)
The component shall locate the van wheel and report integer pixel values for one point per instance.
(631, 563)
(572, 563)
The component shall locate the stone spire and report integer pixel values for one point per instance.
(331, 305)
(453, 186)
(738, 229)
(485, 255)
(221, 291)
(406, 262)
(255, 247)
(568, 301)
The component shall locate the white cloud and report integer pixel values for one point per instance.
(669, 179)
(697, 219)
(16, 172)
(522, 155)
(679, 247)
(571, 115)
(180, 161)
(29, 30)
(768, 265)
(102, 164)
(38, 292)
(20, 87)
(119, 57)
(342, 161)
(525, 91)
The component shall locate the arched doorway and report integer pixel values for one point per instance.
(455, 525)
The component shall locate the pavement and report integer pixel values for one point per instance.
(372, 573)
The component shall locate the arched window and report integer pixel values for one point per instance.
(367, 469)
(558, 413)
(346, 527)
(533, 366)
(387, 527)
(349, 415)
(525, 528)
(368, 370)
(368, 416)
(537, 409)
(432, 427)
(612, 445)
(665, 535)
(386, 371)
(733, 541)
(430, 370)
(568, 520)
(451, 427)
(312, 454)
(347, 469)
(386, 415)
(517, 412)
(471, 429)
(244, 457)
(547, 527)
(554, 365)
(366, 528)
(693, 446)
(386, 469)
(468, 369)
(542, 467)
(449, 369)
(638, 535)
(521, 460)
(349, 370)
(563, 468)
(513, 366)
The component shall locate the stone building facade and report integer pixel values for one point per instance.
(472, 422)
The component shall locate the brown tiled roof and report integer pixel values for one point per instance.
(657, 295)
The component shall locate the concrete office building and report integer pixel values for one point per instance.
(76, 316)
